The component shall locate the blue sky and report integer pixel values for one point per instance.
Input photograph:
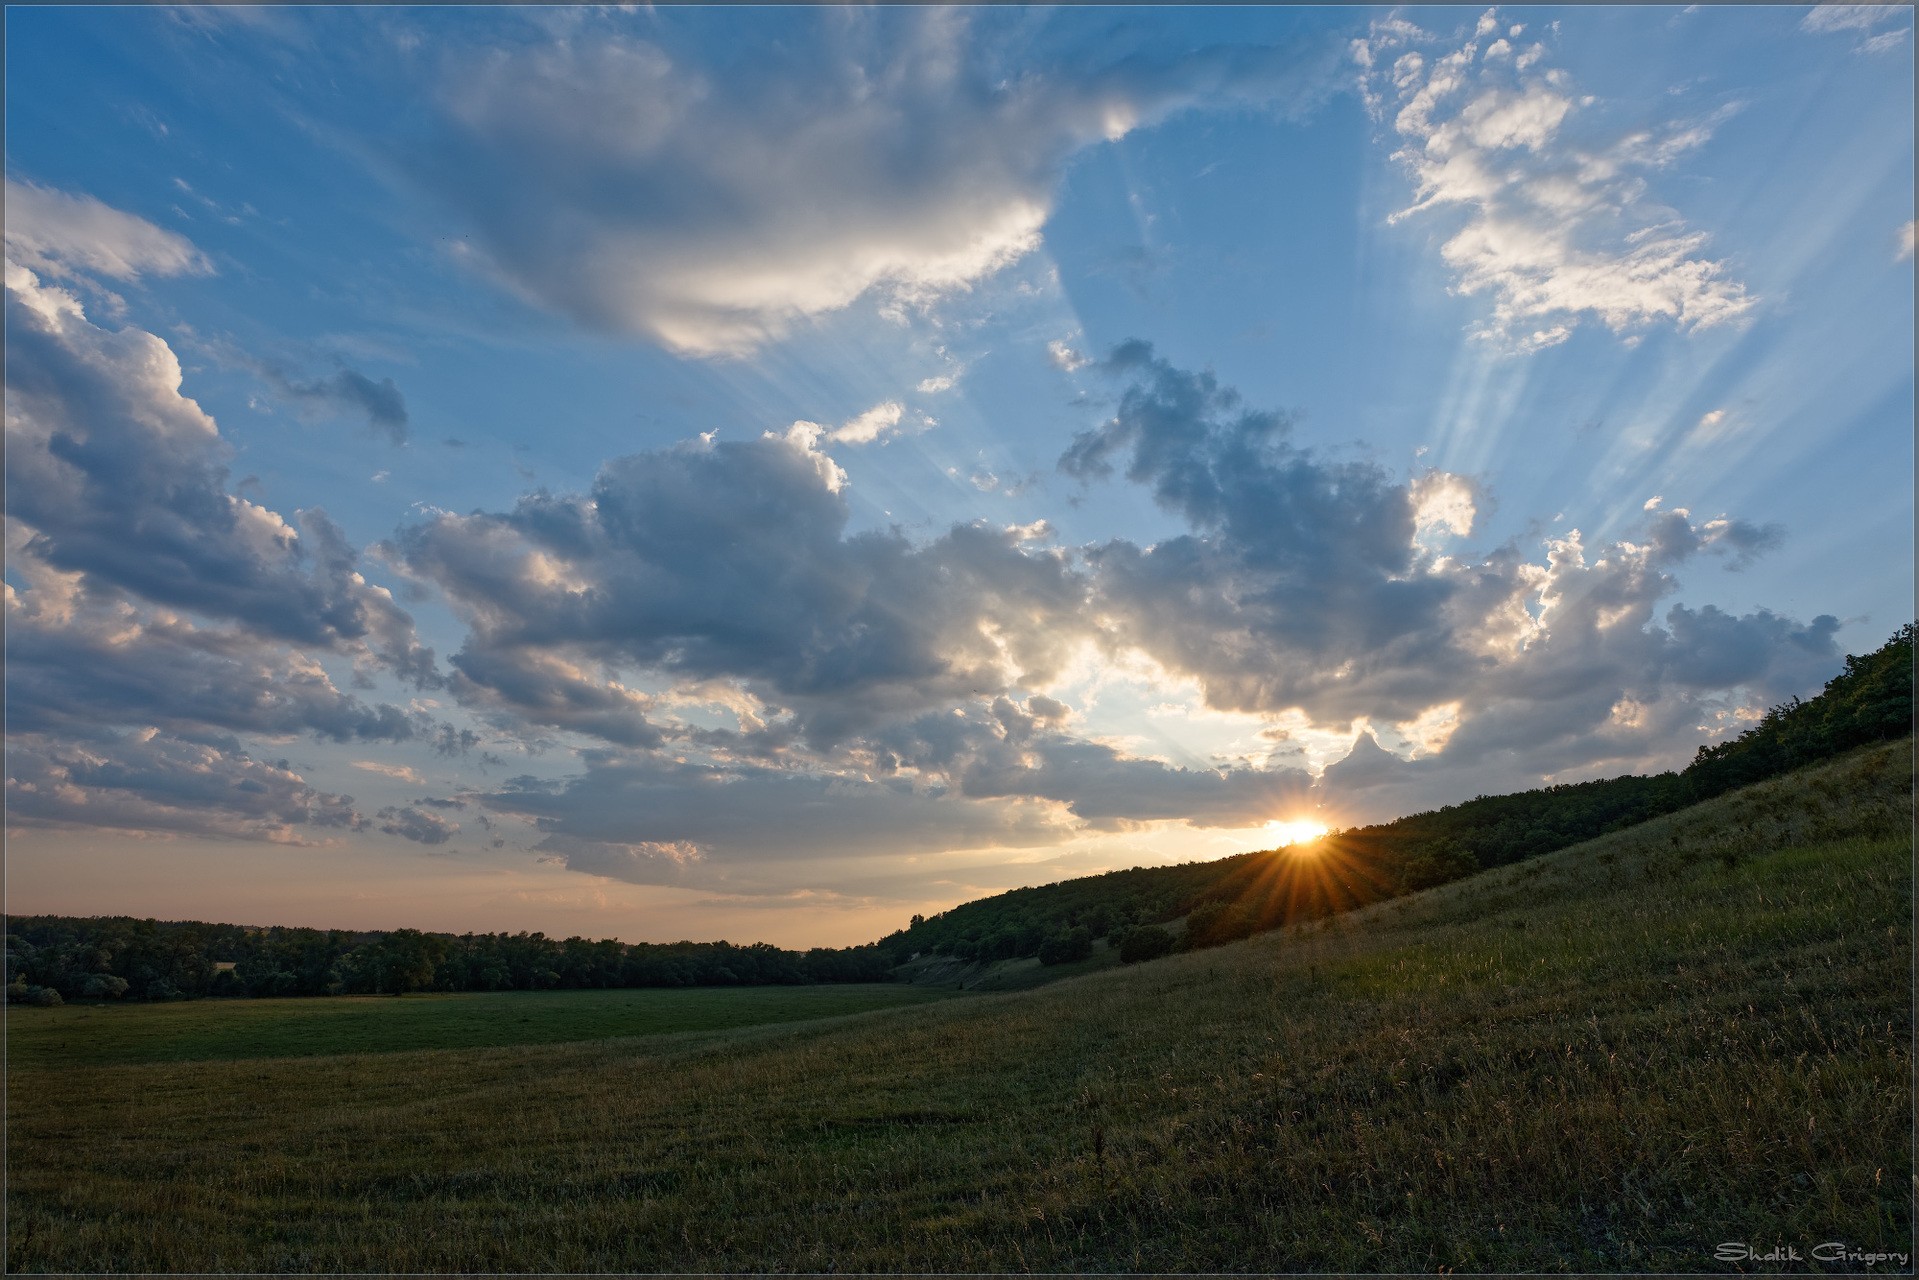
(763, 472)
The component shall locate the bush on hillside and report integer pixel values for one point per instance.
(1144, 942)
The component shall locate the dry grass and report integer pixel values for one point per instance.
(1613, 1058)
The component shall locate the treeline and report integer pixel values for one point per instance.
(1870, 701)
(55, 958)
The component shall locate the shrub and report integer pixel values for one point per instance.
(1144, 942)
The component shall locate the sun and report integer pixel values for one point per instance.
(1296, 830)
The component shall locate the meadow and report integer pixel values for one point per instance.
(1616, 1057)
(98, 1034)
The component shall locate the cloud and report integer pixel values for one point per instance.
(1824, 18)
(892, 694)
(748, 826)
(416, 825)
(732, 561)
(149, 781)
(1012, 750)
(151, 613)
(1884, 42)
(1903, 239)
(399, 772)
(618, 184)
(1304, 586)
(349, 391)
(1556, 225)
(877, 423)
(110, 662)
(123, 479)
(1444, 505)
(57, 234)
(1299, 574)
(1829, 19)
(1064, 357)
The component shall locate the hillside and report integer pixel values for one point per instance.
(1613, 1057)
(1869, 701)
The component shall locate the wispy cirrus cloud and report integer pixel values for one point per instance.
(57, 233)
(1559, 224)
(1863, 19)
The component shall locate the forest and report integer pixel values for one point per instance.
(52, 958)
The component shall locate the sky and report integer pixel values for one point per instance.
(763, 472)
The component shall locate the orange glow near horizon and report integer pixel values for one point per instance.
(1296, 831)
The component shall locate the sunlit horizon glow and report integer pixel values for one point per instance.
(764, 473)
(1292, 831)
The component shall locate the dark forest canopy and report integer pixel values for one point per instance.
(51, 957)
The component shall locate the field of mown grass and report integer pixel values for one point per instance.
(1612, 1058)
(99, 1035)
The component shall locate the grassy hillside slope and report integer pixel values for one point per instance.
(1613, 1057)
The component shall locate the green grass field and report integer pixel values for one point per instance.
(1612, 1058)
(98, 1035)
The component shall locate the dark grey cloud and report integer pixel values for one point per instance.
(632, 191)
(162, 782)
(1303, 585)
(1298, 585)
(348, 390)
(152, 613)
(75, 661)
(416, 825)
(122, 478)
(1675, 538)
(733, 560)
